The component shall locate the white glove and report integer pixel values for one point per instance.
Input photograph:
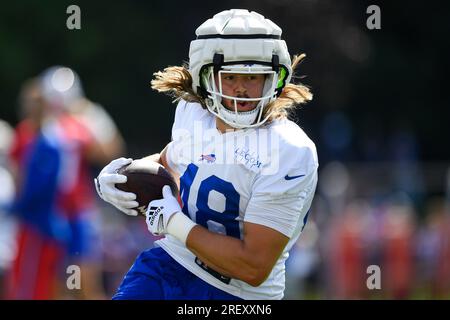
(106, 189)
(159, 212)
(165, 216)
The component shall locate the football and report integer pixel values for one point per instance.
(146, 179)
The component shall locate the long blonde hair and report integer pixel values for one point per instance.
(176, 81)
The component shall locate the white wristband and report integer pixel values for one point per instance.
(179, 226)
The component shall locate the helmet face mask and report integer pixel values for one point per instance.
(216, 96)
(238, 42)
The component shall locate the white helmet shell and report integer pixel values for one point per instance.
(236, 37)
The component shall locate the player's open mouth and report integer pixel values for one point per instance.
(245, 105)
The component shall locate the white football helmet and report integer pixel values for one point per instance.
(239, 41)
(61, 86)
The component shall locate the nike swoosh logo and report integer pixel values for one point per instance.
(293, 177)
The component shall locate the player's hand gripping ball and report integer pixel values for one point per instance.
(146, 178)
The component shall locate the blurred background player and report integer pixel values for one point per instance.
(42, 229)
(93, 140)
(53, 150)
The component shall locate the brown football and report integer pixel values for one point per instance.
(146, 179)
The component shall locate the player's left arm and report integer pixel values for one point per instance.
(270, 221)
(272, 217)
(250, 260)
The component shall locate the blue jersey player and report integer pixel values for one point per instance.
(247, 174)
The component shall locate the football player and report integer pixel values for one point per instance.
(247, 173)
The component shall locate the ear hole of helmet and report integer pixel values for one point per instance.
(204, 75)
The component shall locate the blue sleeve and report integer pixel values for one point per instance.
(36, 202)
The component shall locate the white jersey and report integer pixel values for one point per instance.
(266, 176)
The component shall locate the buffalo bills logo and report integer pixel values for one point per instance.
(210, 158)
